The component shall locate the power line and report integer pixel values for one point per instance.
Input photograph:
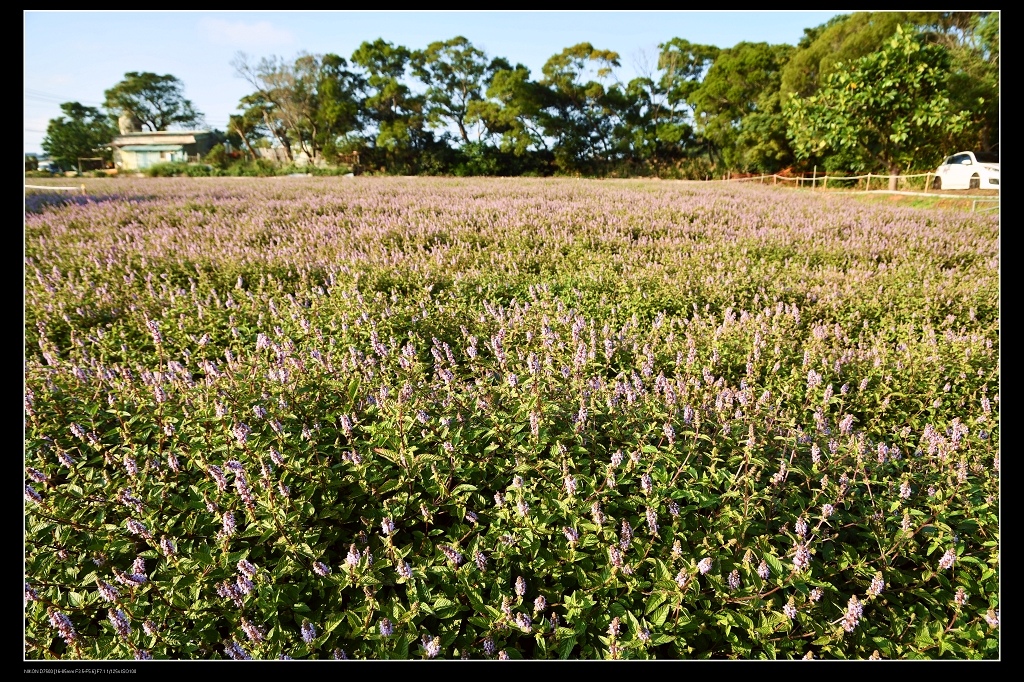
(31, 93)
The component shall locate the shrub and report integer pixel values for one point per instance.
(165, 170)
(217, 157)
(248, 168)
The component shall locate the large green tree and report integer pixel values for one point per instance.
(847, 37)
(80, 132)
(308, 104)
(738, 107)
(973, 44)
(337, 113)
(655, 131)
(157, 102)
(510, 111)
(683, 66)
(889, 110)
(578, 112)
(642, 136)
(250, 128)
(456, 75)
(394, 112)
(840, 40)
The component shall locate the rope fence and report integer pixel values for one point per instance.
(79, 188)
(814, 181)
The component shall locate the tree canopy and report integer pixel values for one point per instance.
(852, 95)
(739, 95)
(456, 75)
(576, 108)
(888, 109)
(79, 133)
(394, 112)
(309, 104)
(157, 102)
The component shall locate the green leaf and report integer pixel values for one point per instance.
(923, 637)
(565, 646)
(401, 651)
(654, 601)
(659, 615)
(777, 568)
(744, 620)
(390, 485)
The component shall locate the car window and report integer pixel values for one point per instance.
(986, 157)
(950, 160)
(963, 159)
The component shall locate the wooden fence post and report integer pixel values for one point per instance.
(867, 183)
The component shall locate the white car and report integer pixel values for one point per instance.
(968, 170)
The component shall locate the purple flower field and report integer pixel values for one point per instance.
(368, 418)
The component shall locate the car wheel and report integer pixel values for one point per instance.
(937, 182)
(975, 181)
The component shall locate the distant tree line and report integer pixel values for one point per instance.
(871, 91)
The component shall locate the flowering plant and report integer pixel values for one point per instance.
(409, 418)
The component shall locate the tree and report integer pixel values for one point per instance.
(261, 119)
(847, 37)
(456, 75)
(337, 115)
(653, 125)
(580, 115)
(973, 81)
(393, 109)
(81, 132)
(641, 111)
(249, 127)
(511, 111)
(684, 66)
(738, 106)
(156, 101)
(886, 110)
(308, 104)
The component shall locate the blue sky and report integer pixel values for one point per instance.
(75, 56)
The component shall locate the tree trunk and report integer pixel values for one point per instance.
(462, 131)
(280, 138)
(894, 176)
(245, 141)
